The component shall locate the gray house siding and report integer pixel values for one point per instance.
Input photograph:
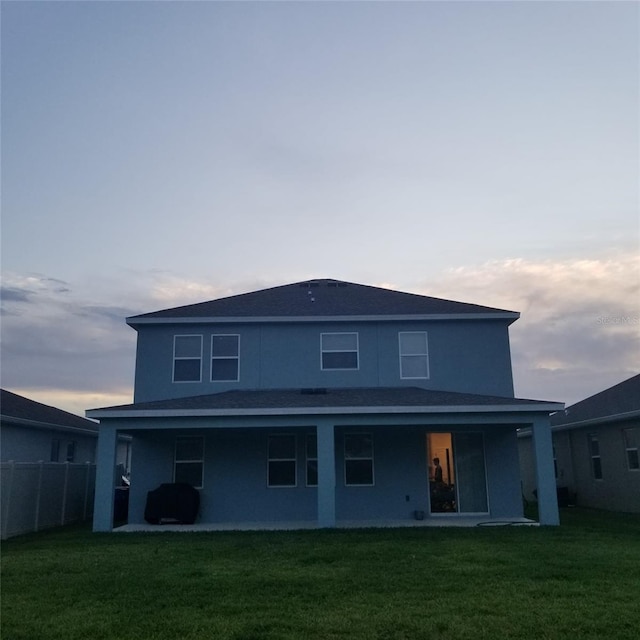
(33, 445)
(619, 487)
(463, 356)
(601, 474)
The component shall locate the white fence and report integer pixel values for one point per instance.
(40, 495)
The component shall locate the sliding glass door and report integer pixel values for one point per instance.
(457, 476)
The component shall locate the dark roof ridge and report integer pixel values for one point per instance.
(322, 297)
(16, 407)
(621, 398)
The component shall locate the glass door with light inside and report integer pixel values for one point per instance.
(457, 476)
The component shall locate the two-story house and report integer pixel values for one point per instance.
(325, 402)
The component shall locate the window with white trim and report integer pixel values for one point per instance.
(311, 452)
(594, 452)
(358, 459)
(188, 463)
(187, 358)
(631, 443)
(225, 357)
(281, 461)
(55, 450)
(414, 355)
(339, 351)
(71, 451)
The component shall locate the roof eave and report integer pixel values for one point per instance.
(295, 411)
(592, 422)
(48, 426)
(134, 321)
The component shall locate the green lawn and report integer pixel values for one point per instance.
(580, 580)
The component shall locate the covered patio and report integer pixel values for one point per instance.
(235, 428)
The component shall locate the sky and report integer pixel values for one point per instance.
(162, 153)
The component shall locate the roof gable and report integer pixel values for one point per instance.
(322, 298)
(23, 410)
(622, 398)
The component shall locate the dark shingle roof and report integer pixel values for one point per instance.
(324, 298)
(14, 406)
(620, 399)
(325, 398)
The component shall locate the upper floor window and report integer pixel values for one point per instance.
(631, 443)
(187, 358)
(189, 461)
(596, 462)
(414, 354)
(225, 357)
(339, 351)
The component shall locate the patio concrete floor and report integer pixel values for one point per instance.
(438, 521)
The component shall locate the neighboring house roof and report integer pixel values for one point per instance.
(309, 401)
(620, 402)
(16, 409)
(323, 298)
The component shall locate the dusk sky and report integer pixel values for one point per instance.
(163, 153)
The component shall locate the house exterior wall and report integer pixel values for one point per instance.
(619, 488)
(235, 474)
(464, 356)
(26, 444)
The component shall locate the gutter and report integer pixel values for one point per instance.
(307, 411)
(37, 424)
(507, 315)
(591, 422)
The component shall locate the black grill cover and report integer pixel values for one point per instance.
(172, 502)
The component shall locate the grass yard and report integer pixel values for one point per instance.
(580, 580)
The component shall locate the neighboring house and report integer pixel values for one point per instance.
(322, 402)
(595, 444)
(34, 432)
(47, 467)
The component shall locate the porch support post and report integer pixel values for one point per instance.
(545, 477)
(326, 474)
(105, 478)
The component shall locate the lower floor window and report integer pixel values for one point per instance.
(189, 461)
(312, 460)
(71, 451)
(55, 450)
(358, 459)
(596, 461)
(631, 443)
(281, 461)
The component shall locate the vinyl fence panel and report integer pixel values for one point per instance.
(41, 495)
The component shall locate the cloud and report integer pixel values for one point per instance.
(67, 344)
(579, 330)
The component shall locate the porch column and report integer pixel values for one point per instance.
(105, 478)
(545, 477)
(326, 474)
